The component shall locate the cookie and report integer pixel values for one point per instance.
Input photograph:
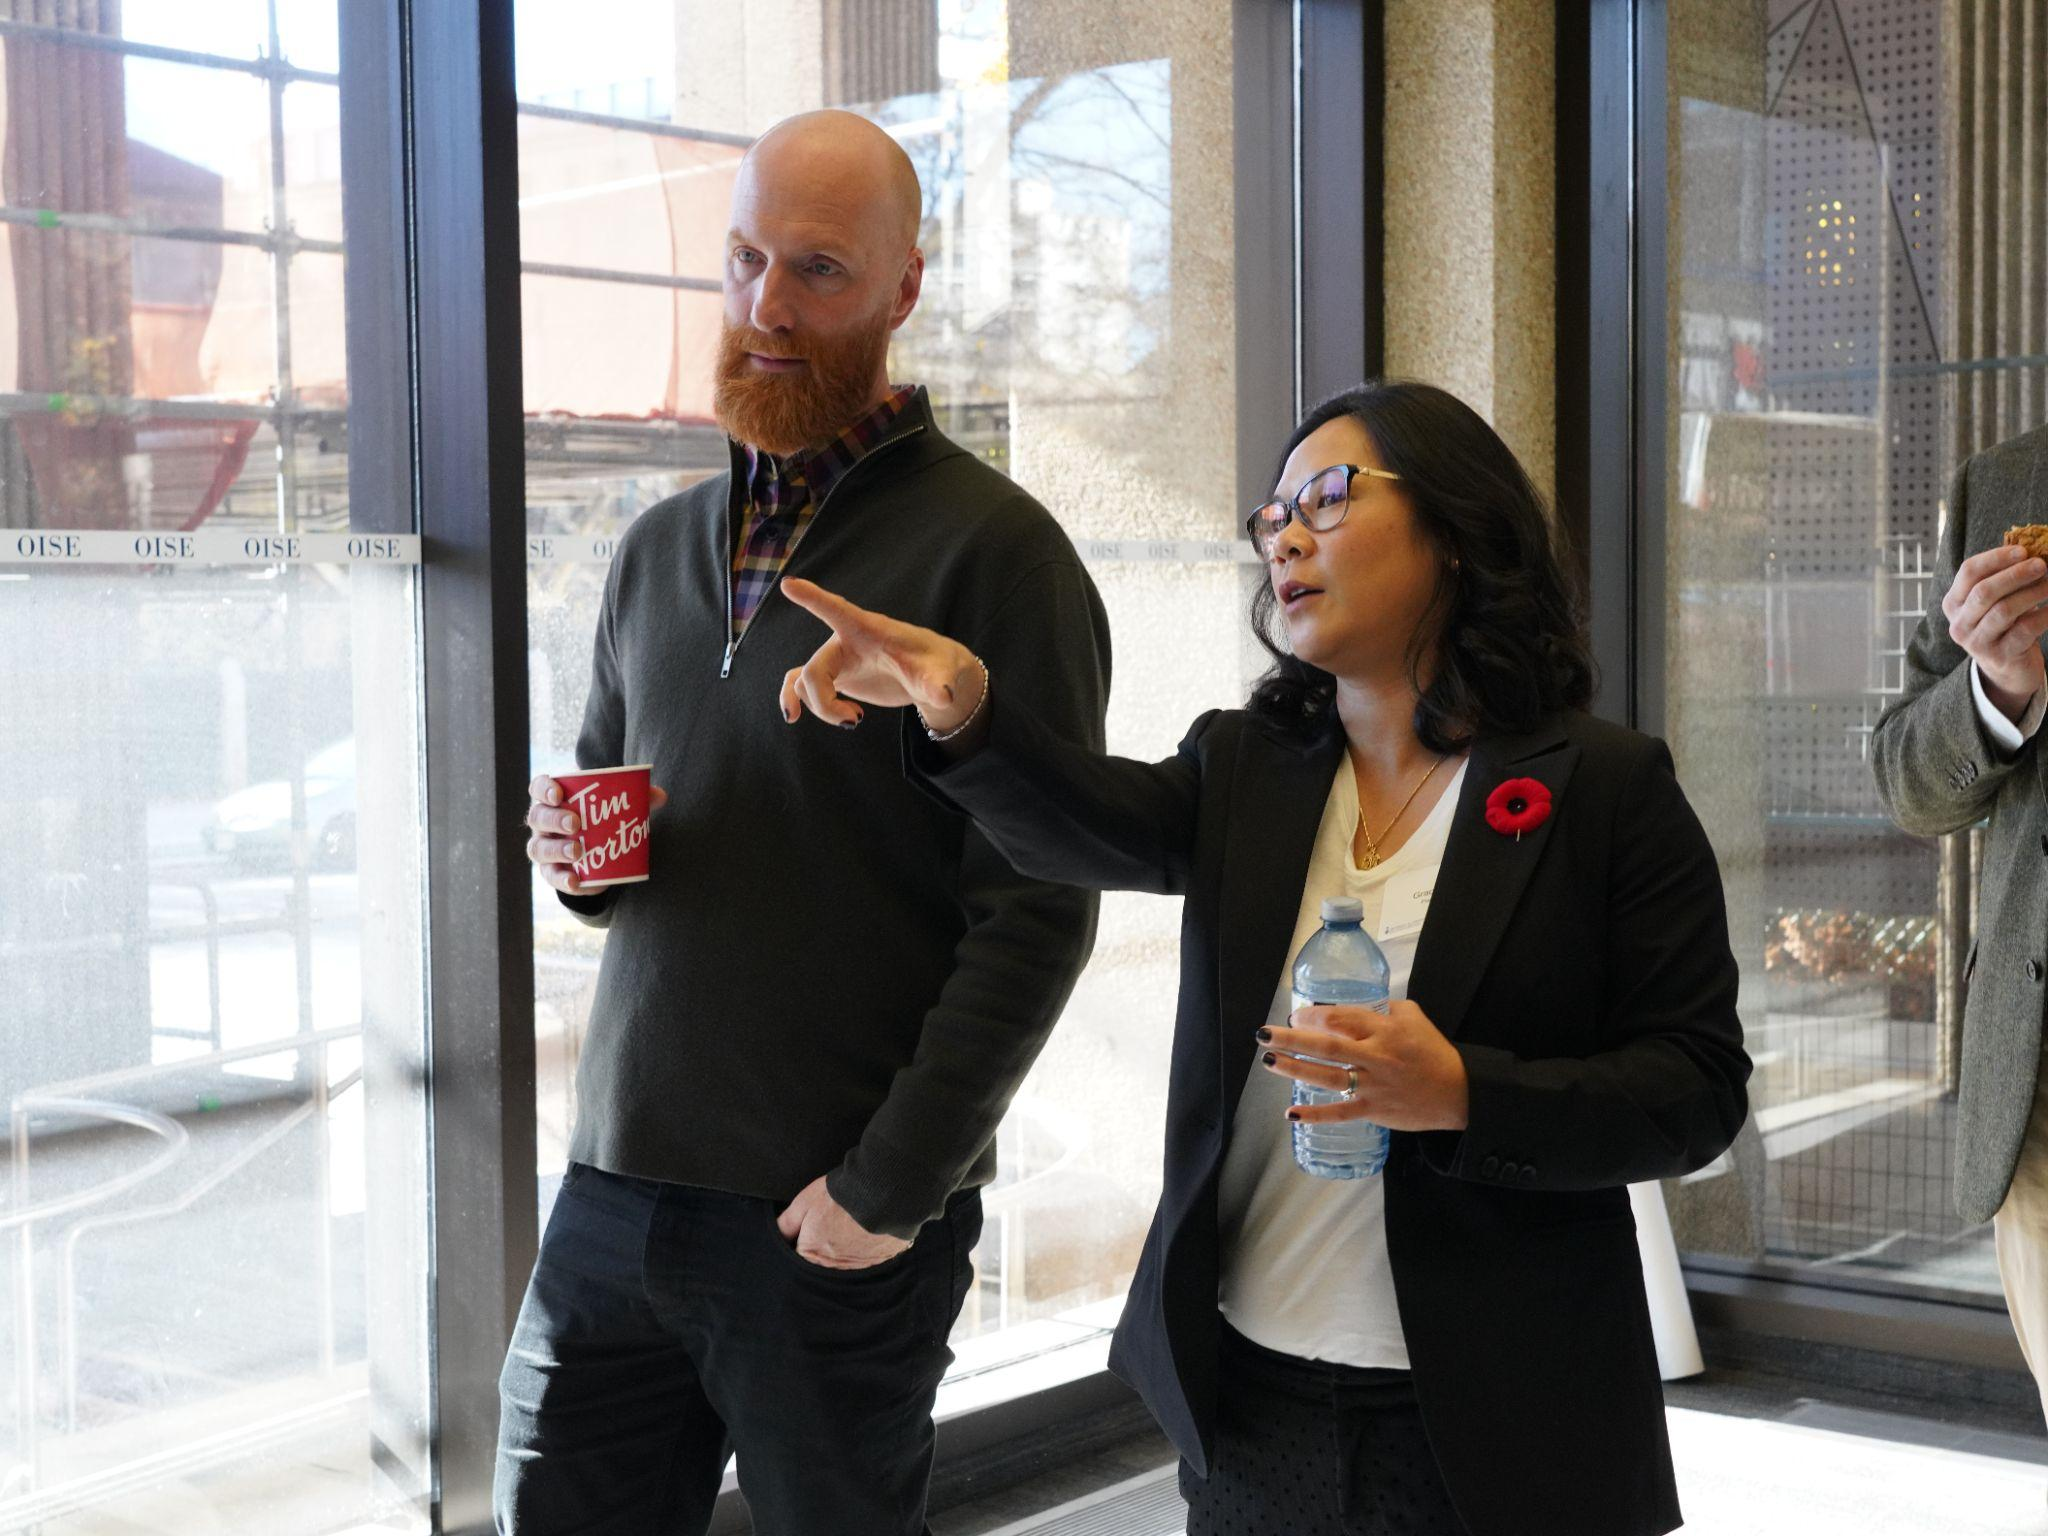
(2032, 537)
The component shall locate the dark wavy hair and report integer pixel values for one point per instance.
(1508, 624)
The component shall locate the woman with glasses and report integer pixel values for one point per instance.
(1460, 1343)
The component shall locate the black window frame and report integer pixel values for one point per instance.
(430, 178)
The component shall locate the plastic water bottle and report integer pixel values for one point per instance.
(1340, 963)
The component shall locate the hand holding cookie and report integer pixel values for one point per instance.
(1997, 611)
(2032, 537)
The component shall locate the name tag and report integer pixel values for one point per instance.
(1404, 903)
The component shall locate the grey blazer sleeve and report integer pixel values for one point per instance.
(1938, 770)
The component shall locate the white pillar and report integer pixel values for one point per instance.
(1678, 1345)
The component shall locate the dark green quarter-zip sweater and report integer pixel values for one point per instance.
(828, 972)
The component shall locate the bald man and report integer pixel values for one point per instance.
(808, 1023)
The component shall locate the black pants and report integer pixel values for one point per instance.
(666, 1327)
(1308, 1449)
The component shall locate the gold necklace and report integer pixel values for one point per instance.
(1372, 847)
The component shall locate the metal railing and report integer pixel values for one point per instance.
(280, 239)
(80, 1098)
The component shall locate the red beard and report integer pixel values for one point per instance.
(784, 413)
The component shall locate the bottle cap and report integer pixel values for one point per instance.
(1343, 909)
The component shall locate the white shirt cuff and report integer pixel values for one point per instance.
(2005, 735)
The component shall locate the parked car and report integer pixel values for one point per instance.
(253, 826)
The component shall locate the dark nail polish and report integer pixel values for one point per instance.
(1264, 1036)
(1269, 1058)
(1294, 1114)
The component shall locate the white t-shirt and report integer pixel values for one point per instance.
(1305, 1267)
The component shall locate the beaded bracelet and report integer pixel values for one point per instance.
(972, 715)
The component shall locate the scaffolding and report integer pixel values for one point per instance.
(558, 447)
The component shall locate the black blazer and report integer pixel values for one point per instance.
(1585, 976)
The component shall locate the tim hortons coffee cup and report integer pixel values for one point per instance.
(611, 806)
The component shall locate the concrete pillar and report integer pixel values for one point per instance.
(1471, 211)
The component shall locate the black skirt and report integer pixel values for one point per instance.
(1305, 1448)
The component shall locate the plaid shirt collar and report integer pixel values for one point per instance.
(782, 498)
(776, 487)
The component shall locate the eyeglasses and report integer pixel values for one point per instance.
(1321, 503)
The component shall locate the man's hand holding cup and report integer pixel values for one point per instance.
(585, 831)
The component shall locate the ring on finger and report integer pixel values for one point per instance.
(1351, 1082)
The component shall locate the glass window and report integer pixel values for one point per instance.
(1075, 329)
(211, 1013)
(1846, 326)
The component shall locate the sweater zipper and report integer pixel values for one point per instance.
(732, 646)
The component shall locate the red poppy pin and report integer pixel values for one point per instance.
(1518, 806)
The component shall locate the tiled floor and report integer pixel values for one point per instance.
(1753, 1459)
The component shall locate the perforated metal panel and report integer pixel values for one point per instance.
(1854, 157)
